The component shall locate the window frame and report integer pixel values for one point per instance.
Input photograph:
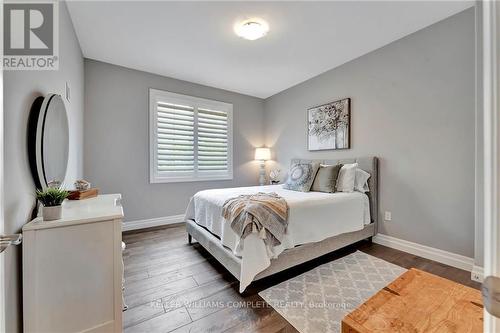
(156, 176)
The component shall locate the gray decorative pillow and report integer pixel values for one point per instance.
(326, 178)
(301, 176)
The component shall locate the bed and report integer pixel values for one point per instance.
(319, 223)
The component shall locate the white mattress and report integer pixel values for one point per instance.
(312, 217)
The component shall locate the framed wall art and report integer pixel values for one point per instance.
(329, 126)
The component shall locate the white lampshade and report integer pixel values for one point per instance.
(262, 154)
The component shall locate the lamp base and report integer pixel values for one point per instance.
(262, 173)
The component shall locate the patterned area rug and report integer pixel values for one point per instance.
(316, 301)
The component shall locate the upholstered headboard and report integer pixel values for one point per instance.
(370, 165)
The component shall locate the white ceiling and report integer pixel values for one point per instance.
(194, 41)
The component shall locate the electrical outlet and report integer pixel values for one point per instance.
(388, 216)
(476, 277)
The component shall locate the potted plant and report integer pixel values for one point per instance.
(51, 199)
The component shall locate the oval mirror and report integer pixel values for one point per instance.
(48, 141)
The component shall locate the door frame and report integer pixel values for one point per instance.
(2, 220)
(491, 84)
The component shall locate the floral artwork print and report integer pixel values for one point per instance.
(329, 125)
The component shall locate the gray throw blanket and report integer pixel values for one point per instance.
(265, 213)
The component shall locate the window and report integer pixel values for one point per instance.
(190, 138)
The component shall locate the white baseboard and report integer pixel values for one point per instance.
(477, 273)
(444, 257)
(149, 223)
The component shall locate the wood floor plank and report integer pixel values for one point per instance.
(155, 247)
(202, 278)
(162, 323)
(202, 272)
(213, 303)
(159, 292)
(135, 276)
(270, 323)
(140, 313)
(194, 294)
(177, 252)
(140, 247)
(167, 260)
(225, 319)
(194, 270)
(163, 269)
(163, 228)
(151, 235)
(138, 256)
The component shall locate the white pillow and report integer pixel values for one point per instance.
(346, 178)
(361, 181)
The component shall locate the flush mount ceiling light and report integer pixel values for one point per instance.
(251, 29)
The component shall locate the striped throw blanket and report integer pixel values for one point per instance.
(265, 213)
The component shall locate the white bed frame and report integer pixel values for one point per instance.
(302, 253)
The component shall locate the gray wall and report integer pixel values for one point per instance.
(117, 142)
(413, 106)
(20, 89)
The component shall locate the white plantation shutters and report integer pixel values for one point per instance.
(212, 141)
(175, 138)
(191, 138)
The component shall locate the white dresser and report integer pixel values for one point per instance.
(72, 269)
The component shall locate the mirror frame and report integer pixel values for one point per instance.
(36, 127)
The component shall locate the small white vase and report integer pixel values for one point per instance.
(51, 213)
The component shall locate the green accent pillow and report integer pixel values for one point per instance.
(301, 176)
(326, 178)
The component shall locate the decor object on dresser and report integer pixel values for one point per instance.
(82, 185)
(83, 191)
(419, 302)
(83, 194)
(329, 125)
(262, 154)
(51, 198)
(316, 301)
(72, 269)
(48, 141)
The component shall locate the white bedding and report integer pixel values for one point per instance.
(312, 217)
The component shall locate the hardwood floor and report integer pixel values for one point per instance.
(171, 286)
